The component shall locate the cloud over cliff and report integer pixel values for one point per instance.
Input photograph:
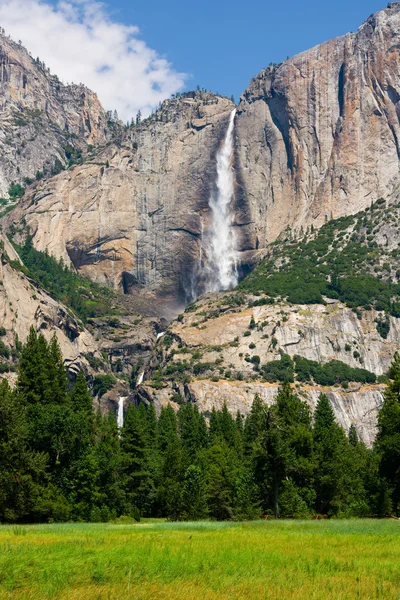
(81, 43)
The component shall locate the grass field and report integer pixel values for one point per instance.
(336, 560)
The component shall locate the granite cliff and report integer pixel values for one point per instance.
(43, 123)
(318, 136)
(133, 216)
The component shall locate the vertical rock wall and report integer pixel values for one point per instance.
(318, 136)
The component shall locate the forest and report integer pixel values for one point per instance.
(62, 461)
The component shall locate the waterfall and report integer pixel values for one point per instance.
(219, 254)
(120, 414)
(140, 378)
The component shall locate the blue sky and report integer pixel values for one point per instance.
(136, 54)
(223, 44)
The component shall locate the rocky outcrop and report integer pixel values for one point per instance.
(115, 345)
(133, 217)
(318, 136)
(317, 332)
(210, 353)
(23, 304)
(357, 407)
(40, 118)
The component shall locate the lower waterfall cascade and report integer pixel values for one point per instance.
(120, 414)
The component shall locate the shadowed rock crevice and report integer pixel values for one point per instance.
(341, 84)
(279, 114)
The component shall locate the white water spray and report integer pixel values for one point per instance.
(120, 414)
(221, 269)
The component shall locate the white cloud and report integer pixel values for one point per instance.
(80, 43)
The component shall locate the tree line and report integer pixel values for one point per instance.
(61, 461)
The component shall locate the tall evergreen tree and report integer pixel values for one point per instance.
(137, 481)
(33, 381)
(19, 465)
(171, 467)
(108, 455)
(80, 396)
(332, 452)
(254, 424)
(353, 436)
(57, 374)
(193, 499)
(294, 421)
(221, 471)
(26, 492)
(192, 429)
(388, 438)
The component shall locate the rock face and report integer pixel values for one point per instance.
(134, 216)
(216, 342)
(23, 303)
(113, 345)
(358, 407)
(315, 137)
(318, 136)
(316, 332)
(40, 117)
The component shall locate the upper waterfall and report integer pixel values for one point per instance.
(219, 251)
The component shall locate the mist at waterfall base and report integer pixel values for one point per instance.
(217, 267)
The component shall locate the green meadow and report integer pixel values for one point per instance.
(338, 560)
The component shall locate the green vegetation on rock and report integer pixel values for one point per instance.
(338, 262)
(86, 298)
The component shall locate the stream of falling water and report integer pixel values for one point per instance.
(120, 414)
(220, 268)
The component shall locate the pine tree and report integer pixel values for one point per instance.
(273, 459)
(194, 503)
(254, 424)
(294, 422)
(42, 377)
(81, 399)
(57, 375)
(229, 429)
(221, 471)
(171, 467)
(137, 481)
(83, 485)
(32, 369)
(246, 497)
(388, 438)
(109, 458)
(167, 428)
(25, 494)
(332, 453)
(82, 405)
(353, 436)
(192, 429)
